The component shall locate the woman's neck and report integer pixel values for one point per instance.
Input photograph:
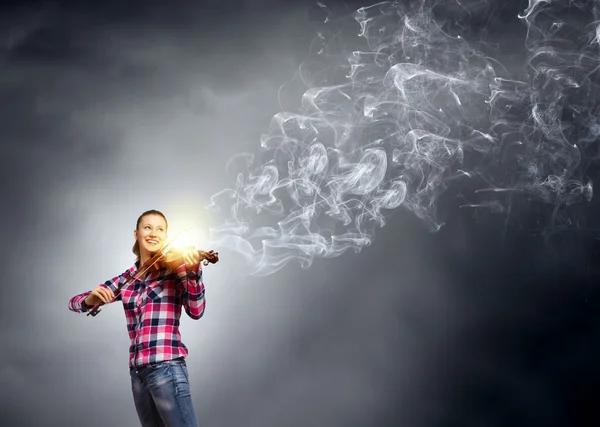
(144, 257)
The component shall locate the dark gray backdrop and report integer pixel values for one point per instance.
(109, 109)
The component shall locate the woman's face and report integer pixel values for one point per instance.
(151, 233)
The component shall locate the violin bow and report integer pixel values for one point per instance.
(143, 270)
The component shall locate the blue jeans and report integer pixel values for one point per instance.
(161, 392)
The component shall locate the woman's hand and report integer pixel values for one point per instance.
(191, 257)
(101, 294)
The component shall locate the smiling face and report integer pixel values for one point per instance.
(151, 235)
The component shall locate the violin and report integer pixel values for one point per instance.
(168, 257)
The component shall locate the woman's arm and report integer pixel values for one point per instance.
(192, 293)
(77, 303)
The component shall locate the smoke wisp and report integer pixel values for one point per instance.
(403, 104)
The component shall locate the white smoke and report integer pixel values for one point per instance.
(406, 108)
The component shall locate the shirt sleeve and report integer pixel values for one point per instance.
(193, 291)
(77, 303)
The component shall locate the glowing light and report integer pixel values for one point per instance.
(183, 240)
(186, 234)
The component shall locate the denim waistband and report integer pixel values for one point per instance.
(177, 360)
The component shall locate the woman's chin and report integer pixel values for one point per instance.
(152, 249)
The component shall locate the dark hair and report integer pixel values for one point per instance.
(136, 245)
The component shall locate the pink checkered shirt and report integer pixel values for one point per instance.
(153, 309)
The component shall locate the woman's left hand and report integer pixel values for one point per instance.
(191, 257)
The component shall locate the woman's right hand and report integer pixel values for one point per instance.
(99, 295)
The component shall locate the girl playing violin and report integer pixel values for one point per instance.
(152, 304)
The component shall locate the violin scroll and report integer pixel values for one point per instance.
(211, 257)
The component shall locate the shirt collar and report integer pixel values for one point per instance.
(136, 266)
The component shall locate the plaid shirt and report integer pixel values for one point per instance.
(153, 308)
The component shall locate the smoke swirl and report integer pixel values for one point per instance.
(413, 103)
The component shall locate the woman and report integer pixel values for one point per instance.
(159, 375)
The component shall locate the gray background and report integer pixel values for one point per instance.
(114, 108)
